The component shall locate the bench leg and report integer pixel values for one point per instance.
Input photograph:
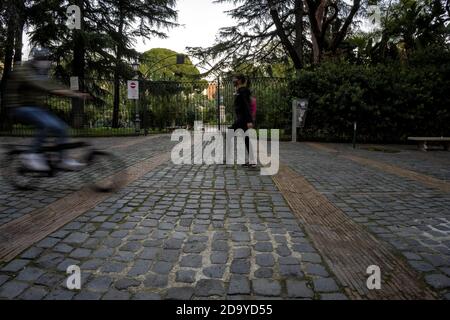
(423, 146)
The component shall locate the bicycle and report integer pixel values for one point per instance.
(95, 161)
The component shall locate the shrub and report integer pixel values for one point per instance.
(389, 101)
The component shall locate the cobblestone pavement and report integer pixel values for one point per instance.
(14, 204)
(433, 163)
(208, 232)
(412, 218)
(189, 232)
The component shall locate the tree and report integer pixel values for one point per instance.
(161, 64)
(268, 30)
(12, 22)
(407, 27)
(103, 48)
(124, 20)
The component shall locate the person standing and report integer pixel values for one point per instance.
(242, 103)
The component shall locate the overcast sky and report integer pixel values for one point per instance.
(200, 21)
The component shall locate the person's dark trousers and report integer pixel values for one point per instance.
(244, 127)
(45, 122)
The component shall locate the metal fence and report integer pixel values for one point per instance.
(164, 106)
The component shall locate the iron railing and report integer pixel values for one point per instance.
(164, 106)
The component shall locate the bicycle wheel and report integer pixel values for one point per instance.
(17, 175)
(104, 172)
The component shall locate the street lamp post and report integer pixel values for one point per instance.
(136, 103)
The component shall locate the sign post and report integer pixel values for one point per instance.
(133, 94)
(74, 84)
(299, 109)
(133, 90)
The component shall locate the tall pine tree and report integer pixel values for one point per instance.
(267, 31)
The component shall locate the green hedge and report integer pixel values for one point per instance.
(389, 102)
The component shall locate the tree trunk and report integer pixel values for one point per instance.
(299, 29)
(287, 44)
(19, 41)
(315, 16)
(117, 74)
(78, 70)
(7, 68)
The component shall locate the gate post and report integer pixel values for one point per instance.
(218, 103)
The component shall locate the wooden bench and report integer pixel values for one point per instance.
(423, 142)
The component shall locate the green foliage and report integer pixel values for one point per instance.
(161, 64)
(389, 101)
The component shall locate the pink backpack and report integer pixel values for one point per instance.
(253, 108)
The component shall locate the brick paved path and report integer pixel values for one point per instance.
(196, 232)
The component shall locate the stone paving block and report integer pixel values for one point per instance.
(291, 271)
(266, 287)
(116, 295)
(264, 273)
(66, 263)
(239, 286)
(162, 267)
(60, 294)
(298, 289)
(238, 236)
(88, 295)
(80, 253)
(186, 276)
(333, 296)
(3, 279)
(264, 247)
(219, 245)
(92, 264)
(438, 281)
(194, 247)
(32, 253)
(149, 296)
(265, 260)
(240, 266)
(325, 285)
(15, 265)
(242, 253)
(184, 293)
(192, 261)
(421, 266)
(125, 283)
(149, 253)
(311, 257)
(99, 284)
(156, 281)
(216, 272)
(50, 280)
(34, 293)
(76, 238)
(219, 257)
(316, 269)
(208, 288)
(29, 274)
(12, 289)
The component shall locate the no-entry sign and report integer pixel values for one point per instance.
(133, 90)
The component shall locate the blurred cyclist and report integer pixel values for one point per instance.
(27, 90)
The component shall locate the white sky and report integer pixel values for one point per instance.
(199, 20)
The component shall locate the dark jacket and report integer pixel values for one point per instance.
(242, 103)
(26, 88)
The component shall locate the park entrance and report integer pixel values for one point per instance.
(164, 106)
